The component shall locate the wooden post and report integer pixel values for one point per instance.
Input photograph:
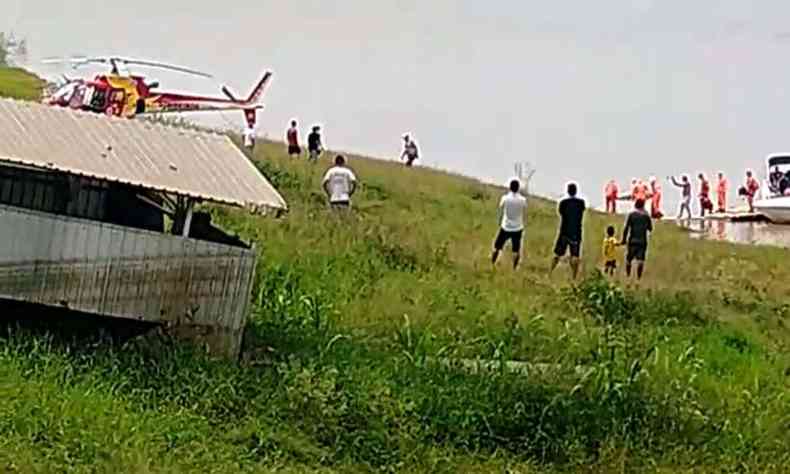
(188, 218)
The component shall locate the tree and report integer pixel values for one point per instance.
(3, 50)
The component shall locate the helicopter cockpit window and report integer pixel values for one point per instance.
(98, 99)
(64, 94)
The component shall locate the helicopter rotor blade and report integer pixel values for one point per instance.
(160, 65)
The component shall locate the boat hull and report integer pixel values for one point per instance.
(777, 210)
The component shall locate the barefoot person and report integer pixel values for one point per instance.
(571, 210)
(635, 236)
(339, 184)
(752, 186)
(512, 207)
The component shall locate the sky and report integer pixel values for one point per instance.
(582, 90)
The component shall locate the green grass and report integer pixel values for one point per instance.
(19, 84)
(686, 374)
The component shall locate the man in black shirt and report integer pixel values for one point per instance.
(571, 210)
(314, 145)
(635, 235)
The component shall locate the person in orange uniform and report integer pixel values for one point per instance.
(752, 186)
(640, 191)
(655, 199)
(610, 194)
(705, 204)
(634, 184)
(721, 193)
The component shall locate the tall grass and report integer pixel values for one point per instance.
(362, 327)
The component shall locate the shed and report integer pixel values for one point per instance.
(84, 202)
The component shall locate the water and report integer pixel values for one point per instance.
(749, 233)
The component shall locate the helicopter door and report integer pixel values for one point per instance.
(117, 102)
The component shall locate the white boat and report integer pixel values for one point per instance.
(775, 195)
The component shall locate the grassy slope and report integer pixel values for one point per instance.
(19, 84)
(687, 373)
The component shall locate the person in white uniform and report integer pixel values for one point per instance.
(339, 184)
(512, 208)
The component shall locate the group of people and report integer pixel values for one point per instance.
(571, 209)
(315, 146)
(651, 192)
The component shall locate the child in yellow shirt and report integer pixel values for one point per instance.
(610, 244)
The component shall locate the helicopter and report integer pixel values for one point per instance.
(126, 95)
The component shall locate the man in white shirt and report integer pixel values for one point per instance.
(249, 138)
(512, 208)
(339, 184)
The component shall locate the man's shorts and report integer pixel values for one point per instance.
(514, 237)
(611, 264)
(410, 160)
(340, 205)
(564, 243)
(636, 252)
(294, 150)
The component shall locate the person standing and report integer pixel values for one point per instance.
(410, 151)
(512, 208)
(685, 200)
(292, 138)
(655, 198)
(339, 184)
(721, 193)
(571, 211)
(610, 244)
(249, 138)
(314, 144)
(752, 186)
(640, 191)
(705, 204)
(610, 195)
(635, 236)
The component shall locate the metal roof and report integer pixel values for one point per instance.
(199, 165)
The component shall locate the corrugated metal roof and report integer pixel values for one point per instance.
(199, 165)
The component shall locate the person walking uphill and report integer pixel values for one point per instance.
(512, 207)
(571, 210)
(685, 201)
(635, 236)
(339, 184)
(410, 151)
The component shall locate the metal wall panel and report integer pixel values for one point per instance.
(122, 272)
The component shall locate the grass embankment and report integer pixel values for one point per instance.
(19, 84)
(688, 373)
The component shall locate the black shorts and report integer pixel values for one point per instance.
(636, 252)
(294, 150)
(514, 237)
(611, 264)
(564, 243)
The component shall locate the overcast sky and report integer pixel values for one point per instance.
(584, 90)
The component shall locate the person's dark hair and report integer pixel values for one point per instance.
(639, 204)
(316, 128)
(340, 160)
(572, 189)
(610, 231)
(293, 123)
(514, 185)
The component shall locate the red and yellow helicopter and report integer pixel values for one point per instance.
(128, 95)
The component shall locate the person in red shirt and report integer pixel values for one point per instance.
(705, 204)
(610, 195)
(292, 137)
(655, 199)
(721, 193)
(752, 186)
